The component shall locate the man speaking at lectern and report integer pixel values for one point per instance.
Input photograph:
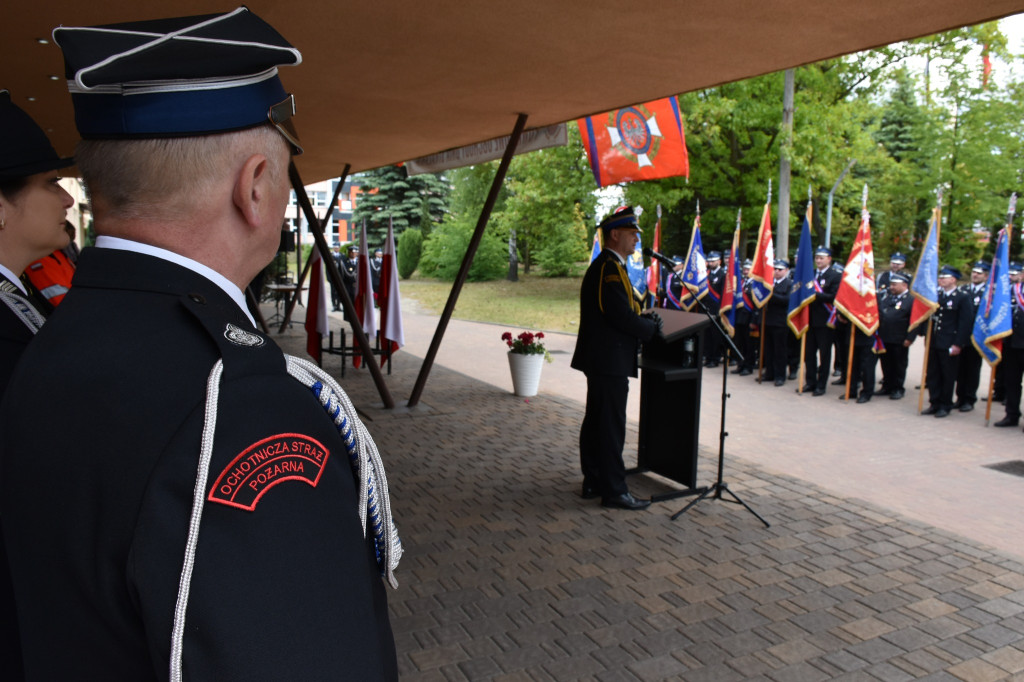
(611, 330)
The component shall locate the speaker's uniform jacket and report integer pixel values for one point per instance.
(969, 373)
(607, 346)
(96, 509)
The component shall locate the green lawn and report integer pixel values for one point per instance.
(536, 303)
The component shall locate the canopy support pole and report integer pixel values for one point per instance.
(467, 261)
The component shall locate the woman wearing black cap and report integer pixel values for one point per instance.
(33, 207)
(32, 211)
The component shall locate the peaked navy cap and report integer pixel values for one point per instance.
(899, 277)
(621, 217)
(178, 77)
(24, 148)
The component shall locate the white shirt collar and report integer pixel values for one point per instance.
(619, 256)
(15, 280)
(229, 287)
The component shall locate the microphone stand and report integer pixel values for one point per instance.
(720, 486)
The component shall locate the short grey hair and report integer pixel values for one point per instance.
(161, 176)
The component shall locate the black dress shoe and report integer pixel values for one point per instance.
(837, 373)
(885, 391)
(941, 412)
(780, 382)
(1007, 421)
(746, 372)
(897, 394)
(966, 407)
(808, 387)
(818, 392)
(863, 398)
(839, 382)
(589, 492)
(625, 501)
(792, 376)
(932, 409)
(735, 371)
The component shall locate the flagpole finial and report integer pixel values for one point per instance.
(769, 200)
(809, 195)
(938, 196)
(1012, 210)
(698, 206)
(864, 197)
(739, 216)
(659, 211)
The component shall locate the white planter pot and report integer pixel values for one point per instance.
(525, 373)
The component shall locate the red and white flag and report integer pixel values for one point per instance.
(316, 307)
(364, 296)
(856, 296)
(389, 298)
(642, 142)
(762, 272)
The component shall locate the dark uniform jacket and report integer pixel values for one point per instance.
(952, 321)
(777, 307)
(894, 316)
(716, 285)
(974, 296)
(1016, 340)
(611, 328)
(97, 492)
(828, 281)
(14, 334)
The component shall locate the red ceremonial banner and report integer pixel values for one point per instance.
(856, 297)
(641, 142)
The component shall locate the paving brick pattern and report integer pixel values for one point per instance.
(508, 575)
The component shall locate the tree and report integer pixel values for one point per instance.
(389, 193)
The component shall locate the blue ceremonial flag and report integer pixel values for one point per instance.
(995, 318)
(803, 292)
(596, 251)
(695, 269)
(925, 285)
(637, 272)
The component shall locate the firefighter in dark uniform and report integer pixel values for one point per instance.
(713, 301)
(675, 290)
(822, 316)
(196, 514)
(32, 204)
(897, 263)
(969, 375)
(951, 331)
(893, 321)
(744, 303)
(776, 329)
(611, 331)
(999, 384)
(1012, 363)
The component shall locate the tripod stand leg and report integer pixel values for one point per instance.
(725, 487)
(694, 501)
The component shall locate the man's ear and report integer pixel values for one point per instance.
(250, 188)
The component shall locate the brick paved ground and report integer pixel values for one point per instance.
(509, 575)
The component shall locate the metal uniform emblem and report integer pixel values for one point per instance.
(240, 337)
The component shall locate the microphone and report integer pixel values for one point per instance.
(665, 260)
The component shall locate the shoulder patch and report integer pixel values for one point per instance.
(613, 279)
(240, 337)
(264, 464)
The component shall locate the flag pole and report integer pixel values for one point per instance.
(802, 374)
(849, 363)
(760, 353)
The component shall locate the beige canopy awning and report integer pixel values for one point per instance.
(385, 81)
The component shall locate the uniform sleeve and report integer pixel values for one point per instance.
(284, 585)
(617, 308)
